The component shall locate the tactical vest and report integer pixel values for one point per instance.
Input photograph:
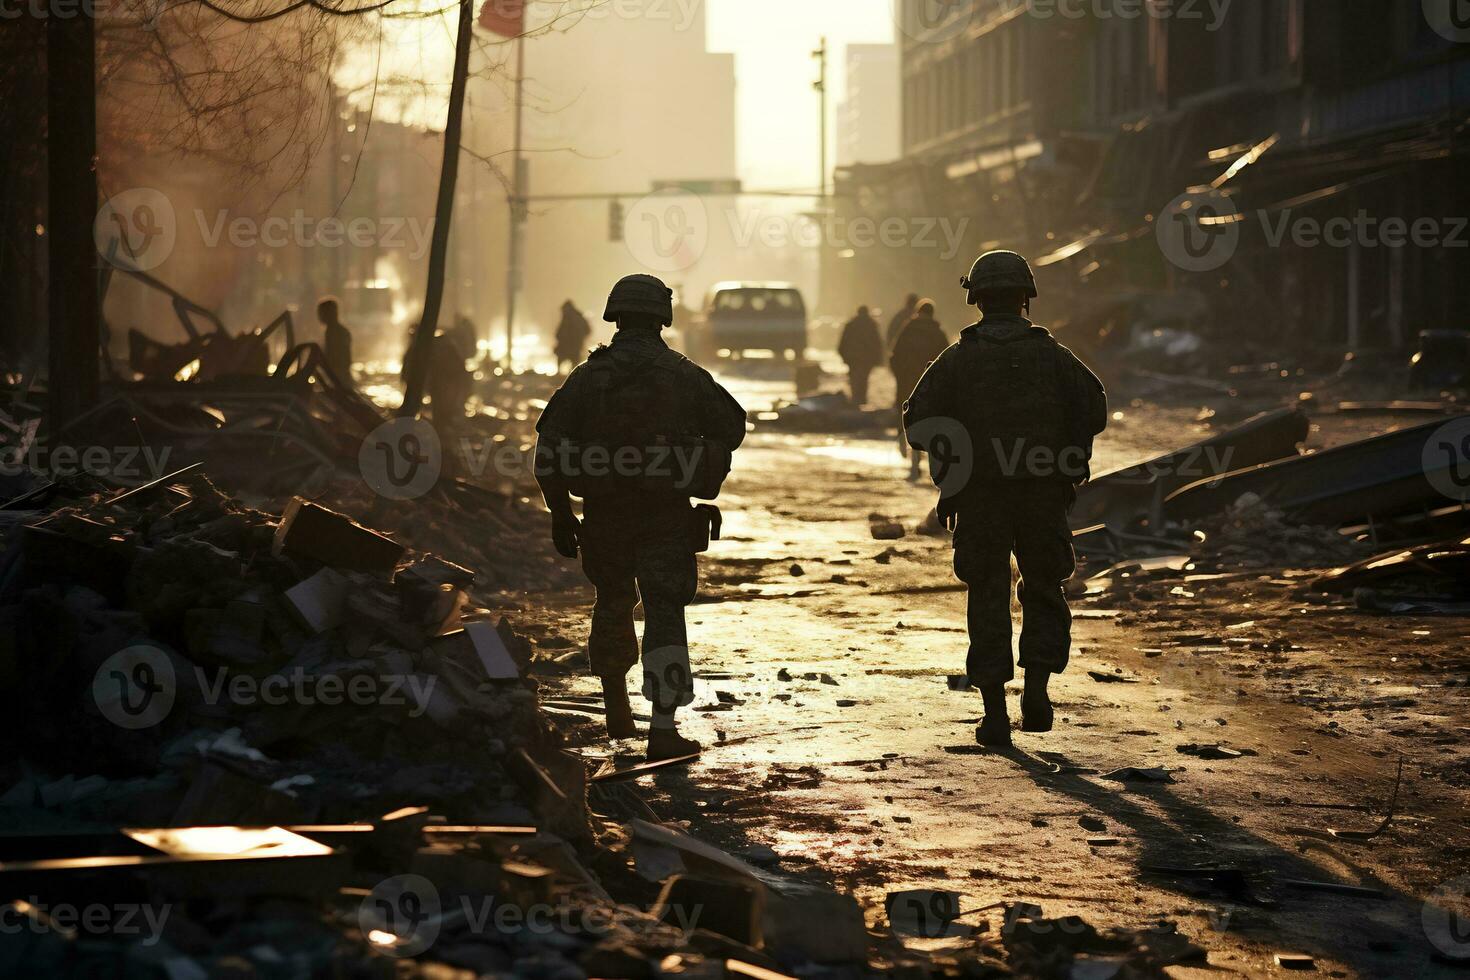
(1012, 403)
(641, 420)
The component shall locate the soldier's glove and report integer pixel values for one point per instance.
(565, 532)
(948, 512)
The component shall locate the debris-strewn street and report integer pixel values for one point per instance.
(734, 489)
(1277, 729)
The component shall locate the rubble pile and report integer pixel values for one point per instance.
(1038, 946)
(506, 539)
(291, 746)
(1425, 580)
(1253, 534)
(175, 657)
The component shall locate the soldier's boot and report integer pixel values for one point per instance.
(667, 743)
(619, 708)
(995, 727)
(1036, 710)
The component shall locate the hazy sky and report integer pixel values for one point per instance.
(776, 114)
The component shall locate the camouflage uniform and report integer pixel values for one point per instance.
(637, 540)
(1028, 410)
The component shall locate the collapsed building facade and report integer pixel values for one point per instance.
(1309, 149)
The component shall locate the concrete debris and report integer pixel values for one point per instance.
(320, 600)
(1253, 533)
(884, 528)
(922, 911)
(1295, 961)
(1103, 677)
(311, 690)
(1070, 946)
(729, 908)
(1125, 496)
(1380, 477)
(1431, 579)
(1213, 751)
(1333, 887)
(1135, 774)
(313, 532)
(830, 412)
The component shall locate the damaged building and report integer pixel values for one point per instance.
(1074, 132)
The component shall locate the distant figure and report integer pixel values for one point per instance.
(465, 337)
(861, 349)
(902, 317)
(337, 343)
(1028, 410)
(919, 342)
(448, 381)
(571, 337)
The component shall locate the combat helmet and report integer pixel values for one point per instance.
(640, 294)
(1000, 269)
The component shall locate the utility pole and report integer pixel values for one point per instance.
(517, 210)
(73, 313)
(821, 86)
(423, 338)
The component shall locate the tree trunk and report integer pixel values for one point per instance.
(71, 183)
(418, 356)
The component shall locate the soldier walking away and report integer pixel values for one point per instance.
(900, 319)
(861, 349)
(337, 342)
(1028, 411)
(636, 431)
(571, 336)
(920, 341)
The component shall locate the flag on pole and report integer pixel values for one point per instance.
(504, 17)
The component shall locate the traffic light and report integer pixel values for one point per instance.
(614, 221)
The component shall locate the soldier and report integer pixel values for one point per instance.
(635, 432)
(861, 349)
(337, 339)
(1019, 411)
(571, 334)
(896, 322)
(918, 343)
